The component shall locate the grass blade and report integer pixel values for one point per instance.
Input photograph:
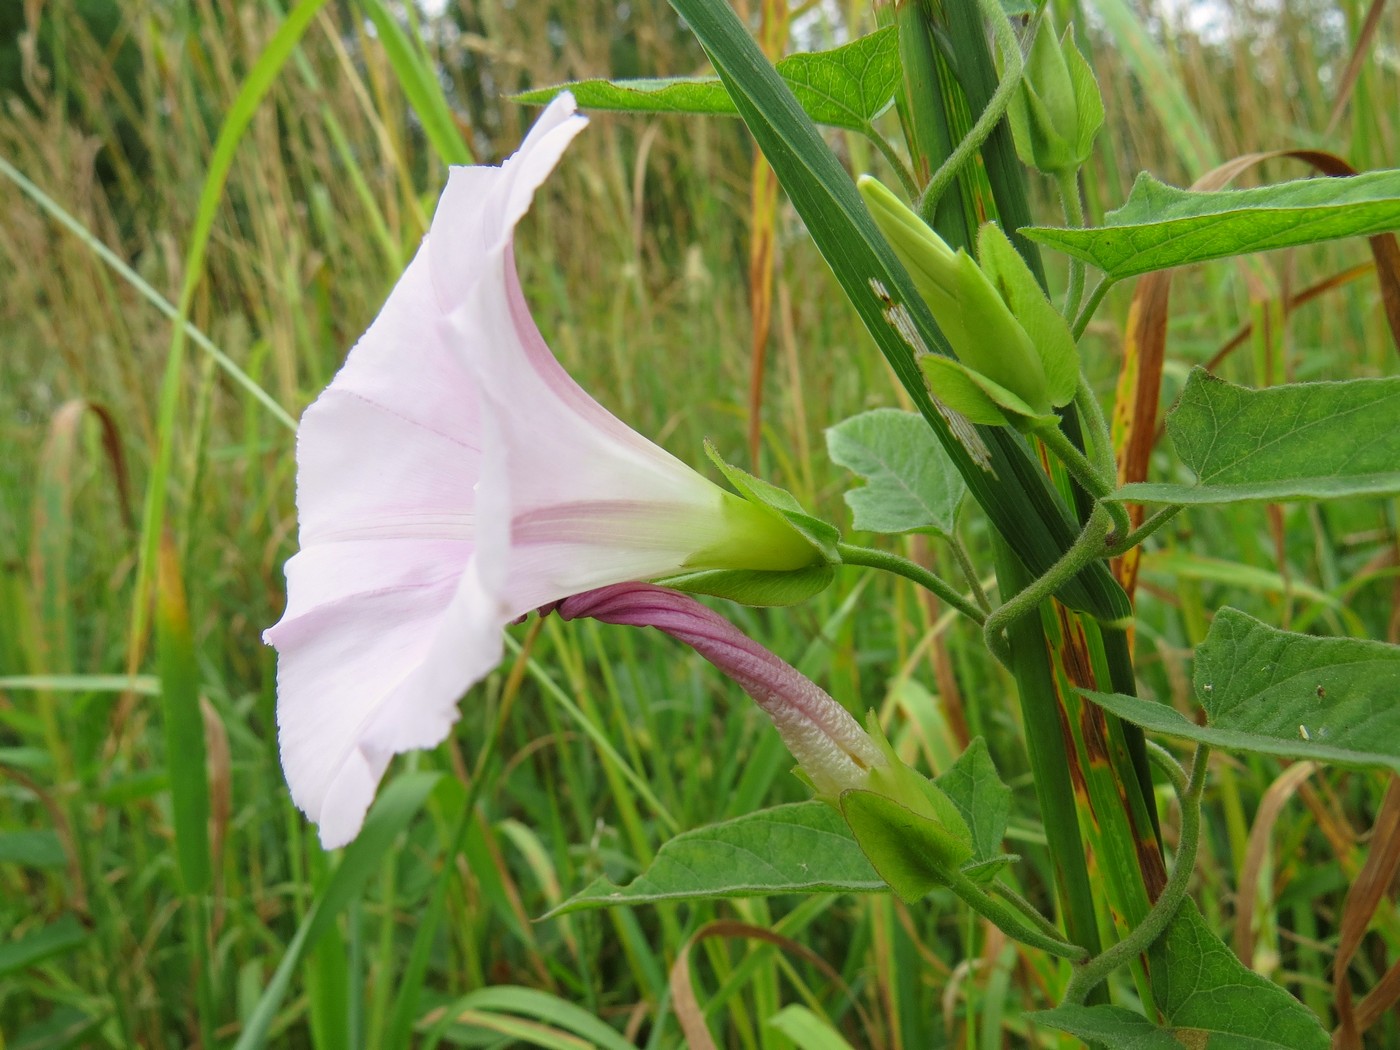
(397, 804)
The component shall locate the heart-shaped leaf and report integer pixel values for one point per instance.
(1208, 997)
(800, 848)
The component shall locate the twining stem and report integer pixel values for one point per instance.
(1010, 921)
(1086, 548)
(1088, 475)
(1091, 974)
(1067, 180)
(1091, 306)
(1010, 49)
(1101, 437)
(876, 559)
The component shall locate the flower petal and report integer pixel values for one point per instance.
(481, 206)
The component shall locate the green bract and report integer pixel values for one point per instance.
(1016, 359)
(1057, 110)
(768, 509)
(909, 830)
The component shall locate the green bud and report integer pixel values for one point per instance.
(1016, 359)
(1057, 109)
(909, 830)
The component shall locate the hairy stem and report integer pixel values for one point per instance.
(1068, 183)
(1010, 49)
(1091, 306)
(887, 150)
(1010, 921)
(1088, 475)
(1147, 528)
(1086, 548)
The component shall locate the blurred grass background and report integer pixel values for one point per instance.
(635, 259)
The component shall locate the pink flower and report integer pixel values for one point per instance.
(451, 479)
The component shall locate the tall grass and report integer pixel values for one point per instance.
(635, 259)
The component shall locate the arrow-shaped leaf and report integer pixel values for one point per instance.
(1161, 226)
(1300, 441)
(1209, 998)
(910, 482)
(846, 87)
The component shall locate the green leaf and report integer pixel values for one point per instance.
(846, 87)
(974, 787)
(398, 803)
(184, 723)
(44, 943)
(806, 1029)
(1334, 700)
(1208, 997)
(1300, 441)
(910, 482)
(507, 1000)
(418, 78)
(1200, 986)
(33, 849)
(804, 847)
(1161, 226)
(141, 685)
(1110, 1026)
(997, 465)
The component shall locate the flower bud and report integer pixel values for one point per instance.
(1057, 109)
(1016, 359)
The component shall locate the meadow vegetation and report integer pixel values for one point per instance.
(636, 261)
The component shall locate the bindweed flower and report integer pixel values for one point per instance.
(452, 478)
(834, 753)
(1057, 110)
(1016, 359)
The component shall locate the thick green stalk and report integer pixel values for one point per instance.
(1099, 764)
(1046, 734)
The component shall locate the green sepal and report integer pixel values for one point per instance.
(1045, 327)
(820, 534)
(912, 852)
(1087, 97)
(973, 395)
(990, 339)
(754, 586)
(985, 872)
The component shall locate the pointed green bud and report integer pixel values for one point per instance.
(1057, 109)
(1044, 326)
(1016, 358)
